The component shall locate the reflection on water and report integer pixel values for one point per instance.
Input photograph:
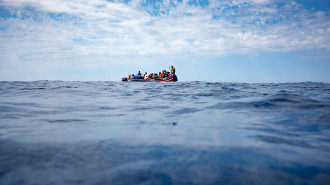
(54, 132)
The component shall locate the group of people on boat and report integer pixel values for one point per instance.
(160, 75)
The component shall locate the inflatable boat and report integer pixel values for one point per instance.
(171, 78)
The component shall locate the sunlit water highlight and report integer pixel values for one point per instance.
(55, 132)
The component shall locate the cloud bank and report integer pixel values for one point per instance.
(99, 30)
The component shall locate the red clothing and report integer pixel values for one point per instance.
(173, 70)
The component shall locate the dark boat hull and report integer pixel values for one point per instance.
(172, 78)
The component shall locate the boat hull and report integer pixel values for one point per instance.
(172, 78)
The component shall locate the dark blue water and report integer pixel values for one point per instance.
(55, 132)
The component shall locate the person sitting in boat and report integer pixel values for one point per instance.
(160, 75)
(129, 76)
(135, 76)
(151, 75)
(155, 76)
(164, 74)
(139, 76)
(145, 76)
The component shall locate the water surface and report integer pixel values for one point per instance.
(56, 132)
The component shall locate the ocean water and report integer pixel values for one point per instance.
(58, 132)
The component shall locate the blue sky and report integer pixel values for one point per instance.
(206, 40)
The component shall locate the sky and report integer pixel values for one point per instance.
(206, 40)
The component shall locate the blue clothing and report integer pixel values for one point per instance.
(135, 77)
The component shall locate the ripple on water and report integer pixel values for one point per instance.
(164, 133)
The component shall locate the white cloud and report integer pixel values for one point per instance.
(99, 30)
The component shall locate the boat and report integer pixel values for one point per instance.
(171, 78)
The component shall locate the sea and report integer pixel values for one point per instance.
(106, 132)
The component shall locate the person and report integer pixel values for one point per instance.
(151, 75)
(164, 75)
(129, 76)
(172, 70)
(139, 76)
(145, 76)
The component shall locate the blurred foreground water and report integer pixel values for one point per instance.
(56, 132)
